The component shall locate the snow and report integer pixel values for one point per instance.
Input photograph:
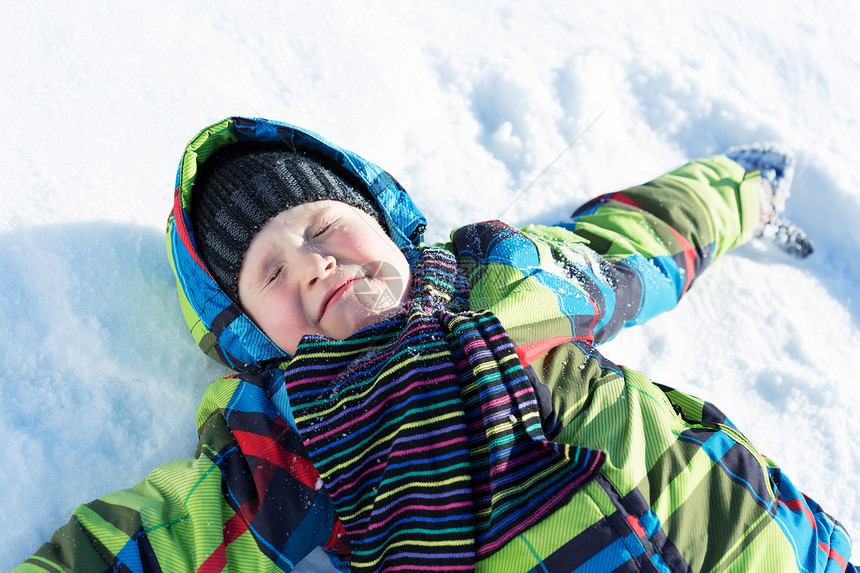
(466, 104)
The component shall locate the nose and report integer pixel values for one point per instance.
(318, 267)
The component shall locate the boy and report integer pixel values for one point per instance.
(411, 407)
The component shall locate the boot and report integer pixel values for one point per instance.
(776, 165)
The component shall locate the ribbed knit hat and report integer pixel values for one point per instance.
(241, 187)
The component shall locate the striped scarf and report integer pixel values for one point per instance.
(426, 432)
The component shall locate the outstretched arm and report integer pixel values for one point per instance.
(248, 502)
(621, 259)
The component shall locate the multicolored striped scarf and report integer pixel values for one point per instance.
(426, 432)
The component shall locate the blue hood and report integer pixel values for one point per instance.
(220, 327)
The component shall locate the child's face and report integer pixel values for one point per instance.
(322, 268)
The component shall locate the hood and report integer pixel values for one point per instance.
(220, 327)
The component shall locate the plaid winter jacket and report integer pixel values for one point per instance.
(479, 428)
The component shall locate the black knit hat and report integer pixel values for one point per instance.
(242, 186)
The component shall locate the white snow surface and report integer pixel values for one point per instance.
(466, 104)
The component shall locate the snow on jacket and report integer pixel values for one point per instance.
(479, 428)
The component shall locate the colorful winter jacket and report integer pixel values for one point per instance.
(479, 427)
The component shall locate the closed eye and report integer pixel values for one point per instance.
(323, 226)
(273, 275)
(319, 232)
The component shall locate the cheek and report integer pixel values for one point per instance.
(362, 245)
(285, 333)
(281, 319)
(382, 249)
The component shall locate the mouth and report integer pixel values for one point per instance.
(334, 295)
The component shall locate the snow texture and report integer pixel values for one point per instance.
(466, 104)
